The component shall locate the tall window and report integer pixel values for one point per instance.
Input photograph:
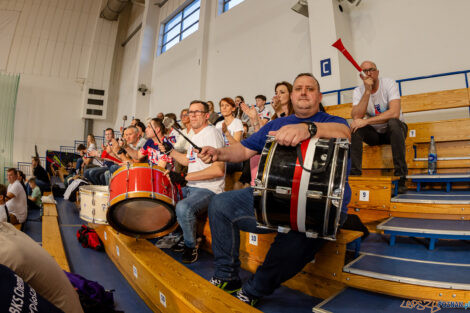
(228, 4)
(183, 24)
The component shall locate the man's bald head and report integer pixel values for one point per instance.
(368, 64)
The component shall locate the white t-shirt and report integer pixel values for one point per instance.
(182, 145)
(208, 136)
(266, 113)
(378, 101)
(18, 205)
(3, 213)
(234, 127)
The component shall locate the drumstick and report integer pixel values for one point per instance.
(169, 122)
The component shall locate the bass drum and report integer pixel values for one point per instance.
(142, 201)
(94, 203)
(301, 188)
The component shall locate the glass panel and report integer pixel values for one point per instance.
(190, 20)
(190, 30)
(172, 33)
(170, 44)
(173, 22)
(231, 4)
(192, 7)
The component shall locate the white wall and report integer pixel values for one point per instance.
(243, 51)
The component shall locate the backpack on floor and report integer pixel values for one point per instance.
(89, 238)
(93, 297)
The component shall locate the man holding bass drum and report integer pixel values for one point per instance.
(232, 211)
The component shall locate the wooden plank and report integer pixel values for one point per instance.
(446, 130)
(50, 209)
(153, 273)
(368, 216)
(341, 110)
(403, 290)
(445, 99)
(52, 241)
(377, 189)
(425, 208)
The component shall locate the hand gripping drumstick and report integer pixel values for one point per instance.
(339, 45)
(169, 122)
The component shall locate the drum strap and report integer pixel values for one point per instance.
(331, 144)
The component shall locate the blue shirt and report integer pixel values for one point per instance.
(257, 141)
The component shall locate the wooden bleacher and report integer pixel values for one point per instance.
(452, 141)
(51, 237)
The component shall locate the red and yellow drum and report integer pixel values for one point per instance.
(141, 201)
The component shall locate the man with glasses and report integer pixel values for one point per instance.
(377, 120)
(203, 180)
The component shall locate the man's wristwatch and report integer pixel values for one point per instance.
(312, 128)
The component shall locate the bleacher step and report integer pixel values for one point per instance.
(455, 276)
(426, 226)
(433, 197)
(351, 300)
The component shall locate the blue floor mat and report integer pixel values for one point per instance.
(95, 265)
(33, 225)
(353, 300)
(283, 300)
(450, 251)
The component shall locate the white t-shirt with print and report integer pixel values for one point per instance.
(234, 127)
(208, 136)
(266, 113)
(18, 205)
(378, 101)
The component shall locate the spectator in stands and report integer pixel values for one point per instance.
(238, 113)
(281, 102)
(42, 178)
(232, 129)
(203, 180)
(91, 142)
(172, 134)
(131, 142)
(17, 204)
(36, 194)
(259, 115)
(141, 127)
(213, 116)
(155, 132)
(378, 120)
(22, 180)
(160, 116)
(135, 121)
(81, 150)
(4, 214)
(182, 145)
(96, 174)
(232, 211)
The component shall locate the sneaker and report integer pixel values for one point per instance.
(243, 296)
(179, 246)
(354, 172)
(189, 255)
(229, 286)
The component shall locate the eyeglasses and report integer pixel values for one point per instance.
(197, 112)
(184, 115)
(369, 70)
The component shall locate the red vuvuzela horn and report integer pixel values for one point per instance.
(339, 45)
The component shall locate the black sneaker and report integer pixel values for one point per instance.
(229, 286)
(179, 246)
(189, 255)
(402, 185)
(242, 296)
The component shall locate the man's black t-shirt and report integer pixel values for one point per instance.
(41, 174)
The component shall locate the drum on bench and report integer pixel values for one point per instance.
(94, 203)
(308, 199)
(142, 201)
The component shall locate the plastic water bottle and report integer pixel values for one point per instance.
(432, 157)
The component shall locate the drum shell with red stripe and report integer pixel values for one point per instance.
(282, 186)
(142, 201)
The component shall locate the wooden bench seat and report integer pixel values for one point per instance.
(162, 282)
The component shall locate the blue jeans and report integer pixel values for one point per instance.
(95, 175)
(233, 211)
(195, 201)
(78, 167)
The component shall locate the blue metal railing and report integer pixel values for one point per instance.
(400, 81)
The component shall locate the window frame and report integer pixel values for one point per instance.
(224, 5)
(163, 42)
